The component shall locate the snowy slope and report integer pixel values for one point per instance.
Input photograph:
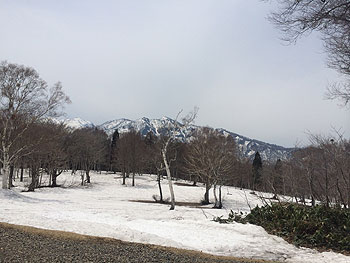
(107, 208)
(248, 147)
(75, 123)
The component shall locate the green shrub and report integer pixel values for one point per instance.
(318, 227)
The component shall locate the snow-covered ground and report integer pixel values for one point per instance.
(106, 208)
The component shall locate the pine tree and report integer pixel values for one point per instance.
(113, 151)
(257, 170)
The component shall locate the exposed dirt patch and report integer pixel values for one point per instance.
(185, 184)
(188, 204)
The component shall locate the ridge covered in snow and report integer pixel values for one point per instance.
(75, 123)
(247, 147)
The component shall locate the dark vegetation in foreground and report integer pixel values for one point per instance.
(317, 227)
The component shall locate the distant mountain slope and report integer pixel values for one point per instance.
(248, 147)
(75, 123)
(145, 125)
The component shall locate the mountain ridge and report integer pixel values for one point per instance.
(247, 146)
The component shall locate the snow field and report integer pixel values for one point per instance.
(108, 208)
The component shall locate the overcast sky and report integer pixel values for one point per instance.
(151, 58)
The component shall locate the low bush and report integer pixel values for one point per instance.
(318, 227)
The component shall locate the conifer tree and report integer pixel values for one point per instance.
(257, 170)
(114, 151)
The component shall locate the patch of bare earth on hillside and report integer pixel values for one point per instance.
(187, 204)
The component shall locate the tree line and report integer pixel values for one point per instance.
(319, 173)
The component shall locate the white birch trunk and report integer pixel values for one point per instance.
(215, 196)
(5, 170)
(168, 173)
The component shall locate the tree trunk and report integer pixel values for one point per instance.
(40, 178)
(218, 199)
(54, 178)
(82, 177)
(313, 203)
(12, 168)
(124, 176)
(171, 189)
(5, 171)
(50, 177)
(215, 197)
(21, 177)
(206, 194)
(133, 179)
(35, 179)
(88, 176)
(160, 189)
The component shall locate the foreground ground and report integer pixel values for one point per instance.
(106, 208)
(27, 244)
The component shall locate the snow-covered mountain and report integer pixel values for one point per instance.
(248, 147)
(145, 125)
(75, 123)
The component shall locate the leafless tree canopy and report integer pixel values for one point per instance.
(24, 93)
(329, 17)
(25, 99)
(211, 157)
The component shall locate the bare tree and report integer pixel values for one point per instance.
(55, 156)
(175, 128)
(25, 99)
(87, 148)
(332, 19)
(123, 157)
(130, 152)
(340, 91)
(154, 161)
(320, 172)
(212, 157)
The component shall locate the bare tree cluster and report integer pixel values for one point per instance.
(87, 149)
(25, 100)
(131, 154)
(29, 140)
(317, 174)
(211, 157)
(321, 172)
